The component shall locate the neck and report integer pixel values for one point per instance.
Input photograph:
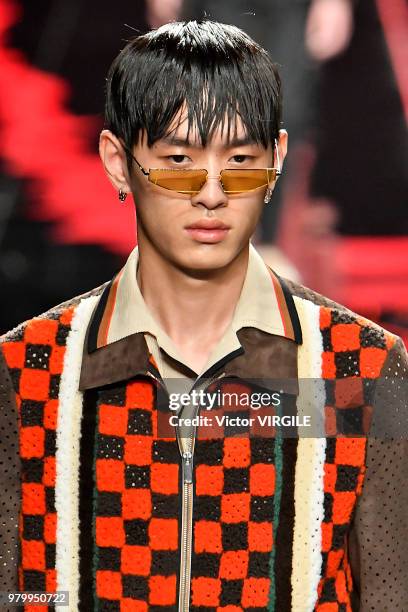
(197, 308)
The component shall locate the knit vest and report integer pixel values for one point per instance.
(100, 509)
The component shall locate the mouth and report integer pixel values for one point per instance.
(208, 231)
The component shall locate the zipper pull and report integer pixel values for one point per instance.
(187, 466)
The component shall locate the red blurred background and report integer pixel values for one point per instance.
(338, 222)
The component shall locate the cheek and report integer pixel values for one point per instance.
(159, 217)
(142, 191)
(247, 211)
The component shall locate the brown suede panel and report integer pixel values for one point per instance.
(379, 533)
(268, 359)
(114, 362)
(10, 470)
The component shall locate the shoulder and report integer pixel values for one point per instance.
(305, 293)
(32, 355)
(345, 330)
(57, 315)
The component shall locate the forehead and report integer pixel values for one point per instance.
(227, 133)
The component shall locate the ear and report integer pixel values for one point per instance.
(282, 146)
(114, 160)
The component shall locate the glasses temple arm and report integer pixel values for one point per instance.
(279, 169)
(145, 172)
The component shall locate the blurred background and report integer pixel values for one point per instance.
(338, 220)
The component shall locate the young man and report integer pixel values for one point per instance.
(95, 501)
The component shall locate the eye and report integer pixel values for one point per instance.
(239, 159)
(178, 159)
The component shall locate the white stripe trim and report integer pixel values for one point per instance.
(309, 492)
(67, 457)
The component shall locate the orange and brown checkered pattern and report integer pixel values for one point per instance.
(343, 478)
(35, 358)
(353, 355)
(137, 503)
(138, 509)
(233, 523)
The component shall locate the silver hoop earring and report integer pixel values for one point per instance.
(268, 195)
(122, 195)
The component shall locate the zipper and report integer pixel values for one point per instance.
(186, 531)
(186, 447)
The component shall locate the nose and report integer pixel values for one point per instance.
(211, 195)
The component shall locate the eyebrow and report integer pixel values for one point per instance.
(183, 142)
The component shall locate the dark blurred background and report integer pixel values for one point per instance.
(338, 220)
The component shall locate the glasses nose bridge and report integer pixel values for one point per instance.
(218, 178)
(207, 178)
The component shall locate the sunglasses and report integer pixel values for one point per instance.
(192, 180)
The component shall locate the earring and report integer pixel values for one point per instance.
(122, 195)
(268, 195)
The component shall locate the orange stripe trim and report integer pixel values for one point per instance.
(283, 309)
(108, 314)
(153, 361)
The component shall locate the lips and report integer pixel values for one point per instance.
(208, 224)
(208, 231)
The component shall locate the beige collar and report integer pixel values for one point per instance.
(264, 318)
(264, 303)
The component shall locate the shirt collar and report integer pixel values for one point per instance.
(109, 358)
(265, 303)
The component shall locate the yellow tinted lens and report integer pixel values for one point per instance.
(183, 181)
(238, 181)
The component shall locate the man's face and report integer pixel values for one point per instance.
(206, 231)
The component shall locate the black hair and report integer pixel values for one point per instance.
(216, 69)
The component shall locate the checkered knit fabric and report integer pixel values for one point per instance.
(343, 477)
(130, 489)
(136, 511)
(233, 523)
(353, 355)
(35, 358)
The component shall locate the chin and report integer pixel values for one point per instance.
(206, 258)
